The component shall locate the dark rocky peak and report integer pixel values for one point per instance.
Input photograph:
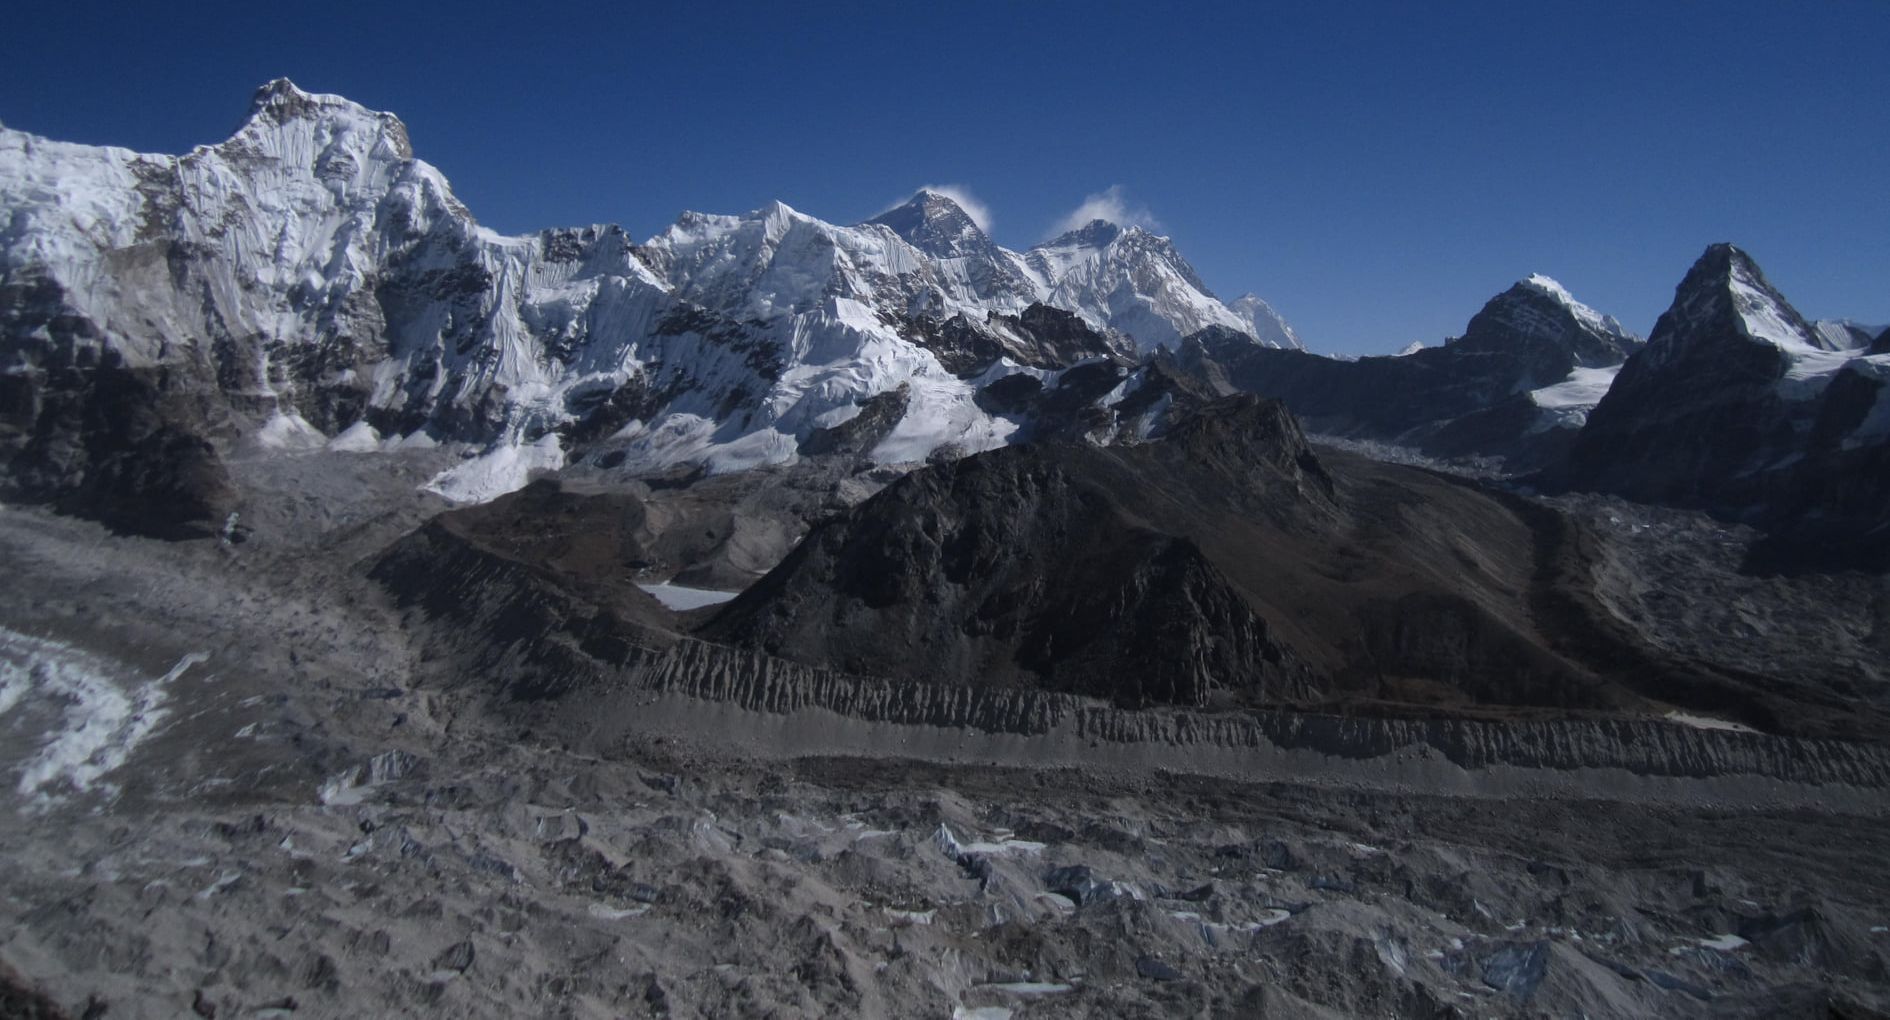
(1065, 338)
(1881, 345)
(935, 225)
(1094, 234)
(1538, 312)
(1723, 299)
(1194, 360)
(1218, 342)
(1253, 439)
(1029, 566)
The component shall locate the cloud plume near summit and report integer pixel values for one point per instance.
(1112, 204)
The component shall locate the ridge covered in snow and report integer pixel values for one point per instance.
(328, 289)
(1606, 325)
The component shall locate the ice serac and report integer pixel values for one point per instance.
(1740, 406)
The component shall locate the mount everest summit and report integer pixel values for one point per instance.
(310, 282)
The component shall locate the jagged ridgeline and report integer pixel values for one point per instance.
(309, 282)
(1224, 564)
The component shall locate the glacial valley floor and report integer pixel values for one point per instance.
(233, 788)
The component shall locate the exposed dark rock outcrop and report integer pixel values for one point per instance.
(1014, 566)
(81, 430)
(879, 415)
(1037, 337)
(1469, 397)
(1739, 407)
(1224, 562)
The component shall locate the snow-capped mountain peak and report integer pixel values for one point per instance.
(1264, 323)
(309, 278)
(1725, 295)
(978, 269)
(1540, 312)
(936, 225)
(280, 104)
(1094, 234)
(1135, 282)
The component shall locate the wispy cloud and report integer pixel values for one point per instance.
(978, 211)
(1112, 204)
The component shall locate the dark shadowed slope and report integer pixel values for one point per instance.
(1226, 563)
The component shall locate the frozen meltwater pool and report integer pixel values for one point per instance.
(681, 598)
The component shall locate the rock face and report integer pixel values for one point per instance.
(1018, 567)
(1038, 337)
(309, 277)
(1516, 385)
(1739, 406)
(104, 441)
(1220, 563)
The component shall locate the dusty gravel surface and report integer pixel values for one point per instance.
(292, 816)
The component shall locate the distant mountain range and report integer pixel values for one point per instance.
(309, 283)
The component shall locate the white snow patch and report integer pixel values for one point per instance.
(1763, 319)
(101, 721)
(949, 843)
(1569, 401)
(1705, 722)
(504, 468)
(1584, 387)
(604, 913)
(357, 438)
(290, 432)
(417, 440)
(682, 599)
(1723, 942)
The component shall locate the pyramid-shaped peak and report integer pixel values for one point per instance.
(1538, 313)
(936, 224)
(926, 207)
(928, 198)
(1726, 293)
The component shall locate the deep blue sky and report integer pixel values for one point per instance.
(1377, 170)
